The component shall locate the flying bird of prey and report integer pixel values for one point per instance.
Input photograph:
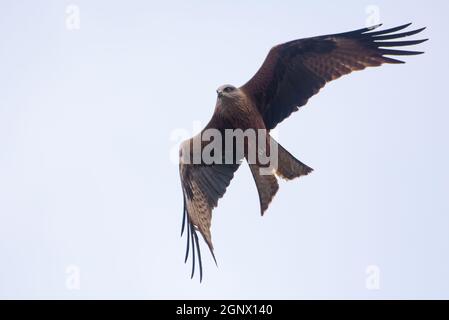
(291, 74)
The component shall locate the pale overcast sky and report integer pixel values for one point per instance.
(90, 200)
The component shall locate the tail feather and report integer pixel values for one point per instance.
(289, 167)
(267, 187)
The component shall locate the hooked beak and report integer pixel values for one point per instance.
(219, 93)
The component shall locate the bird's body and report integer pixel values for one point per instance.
(291, 74)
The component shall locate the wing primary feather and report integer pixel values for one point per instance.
(192, 231)
(398, 35)
(184, 216)
(399, 52)
(211, 250)
(213, 256)
(198, 250)
(399, 43)
(360, 31)
(188, 242)
(371, 28)
(392, 61)
(391, 30)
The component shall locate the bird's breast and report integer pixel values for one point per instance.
(239, 115)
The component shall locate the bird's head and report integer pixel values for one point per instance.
(227, 91)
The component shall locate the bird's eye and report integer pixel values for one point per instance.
(228, 89)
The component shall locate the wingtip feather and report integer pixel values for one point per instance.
(375, 26)
(198, 250)
(391, 30)
(188, 244)
(193, 253)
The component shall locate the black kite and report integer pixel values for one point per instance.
(292, 73)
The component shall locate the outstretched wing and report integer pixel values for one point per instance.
(202, 186)
(295, 71)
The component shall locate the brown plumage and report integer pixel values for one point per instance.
(291, 74)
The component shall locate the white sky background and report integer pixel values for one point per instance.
(86, 180)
